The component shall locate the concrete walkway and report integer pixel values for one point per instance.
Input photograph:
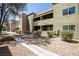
(35, 49)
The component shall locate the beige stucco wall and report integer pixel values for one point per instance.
(30, 18)
(59, 20)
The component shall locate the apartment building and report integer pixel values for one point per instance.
(43, 21)
(64, 16)
(13, 25)
(30, 19)
(22, 24)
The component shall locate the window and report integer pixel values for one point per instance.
(47, 27)
(71, 10)
(48, 16)
(36, 19)
(65, 12)
(69, 27)
(65, 27)
(50, 27)
(36, 28)
(44, 28)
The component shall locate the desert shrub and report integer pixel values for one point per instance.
(36, 33)
(19, 32)
(54, 33)
(67, 35)
(50, 34)
(17, 29)
(7, 38)
(58, 33)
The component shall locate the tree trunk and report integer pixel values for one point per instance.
(2, 9)
(3, 19)
(0, 29)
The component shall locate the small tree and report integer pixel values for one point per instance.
(8, 9)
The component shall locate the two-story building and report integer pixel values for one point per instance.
(64, 16)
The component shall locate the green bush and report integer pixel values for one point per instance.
(7, 38)
(36, 33)
(50, 34)
(54, 33)
(67, 35)
(58, 33)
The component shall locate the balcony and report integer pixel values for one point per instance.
(43, 22)
(36, 19)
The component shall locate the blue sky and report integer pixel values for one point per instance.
(37, 7)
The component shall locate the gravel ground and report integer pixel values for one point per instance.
(55, 45)
(62, 48)
(14, 50)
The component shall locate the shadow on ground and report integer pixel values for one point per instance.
(71, 41)
(4, 51)
(38, 40)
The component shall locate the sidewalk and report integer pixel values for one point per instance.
(35, 49)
